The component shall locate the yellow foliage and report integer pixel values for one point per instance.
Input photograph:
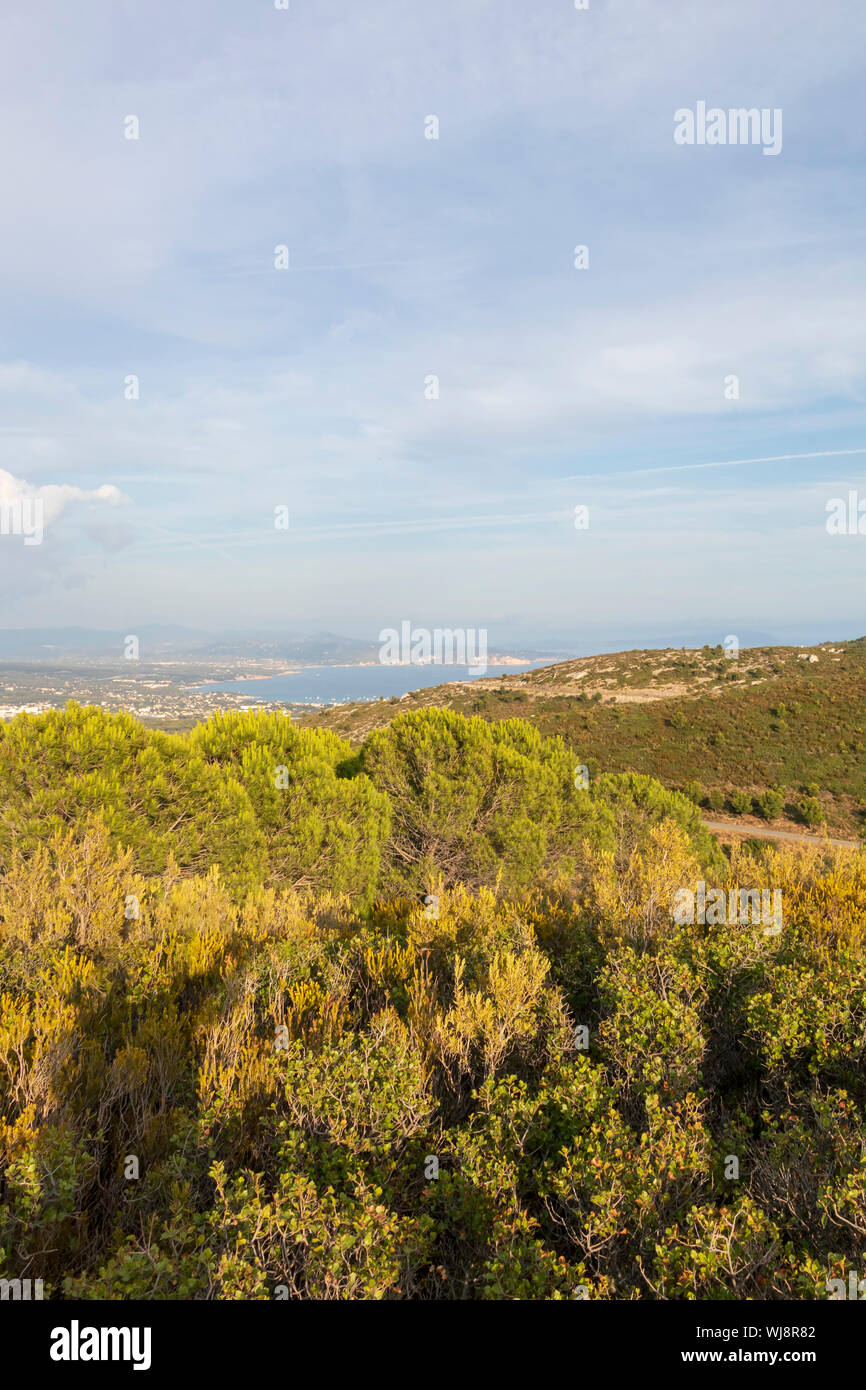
(493, 1020)
(630, 895)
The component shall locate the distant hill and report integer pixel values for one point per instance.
(159, 642)
(787, 717)
(321, 649)
(63, 644)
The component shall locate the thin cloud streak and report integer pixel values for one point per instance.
(690, 467)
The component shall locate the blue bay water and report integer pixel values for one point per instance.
(324, 685)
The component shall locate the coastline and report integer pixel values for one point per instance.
(515, 661)
(258, 676)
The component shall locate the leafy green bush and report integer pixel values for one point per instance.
(770, 804)
(475, 803)
(810, 811)
(155, 793)
(322, 826)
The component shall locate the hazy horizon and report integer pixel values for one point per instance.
(557, 642)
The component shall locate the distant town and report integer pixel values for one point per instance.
(173, 682)
(156, 692)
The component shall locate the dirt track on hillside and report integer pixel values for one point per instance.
(755, 832)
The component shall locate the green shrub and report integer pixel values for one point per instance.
(770, 804)
(810, 811)
(323, 824)
(474, 802)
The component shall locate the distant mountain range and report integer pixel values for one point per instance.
(172, 642)
(168, 642)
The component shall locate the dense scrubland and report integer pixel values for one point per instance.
(288, 1017)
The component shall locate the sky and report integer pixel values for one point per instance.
(432, 385)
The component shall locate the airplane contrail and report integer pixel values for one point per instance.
(723, 463)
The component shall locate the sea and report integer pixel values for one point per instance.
(338, 685)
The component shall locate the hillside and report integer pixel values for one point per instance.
(790, 718)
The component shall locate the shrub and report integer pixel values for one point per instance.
(474, 802)
(322, 826)
(154, 792)
(810, 811)
(770, 804)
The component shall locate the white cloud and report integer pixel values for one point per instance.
(56, 497)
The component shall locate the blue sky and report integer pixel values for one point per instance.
(412, 257)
